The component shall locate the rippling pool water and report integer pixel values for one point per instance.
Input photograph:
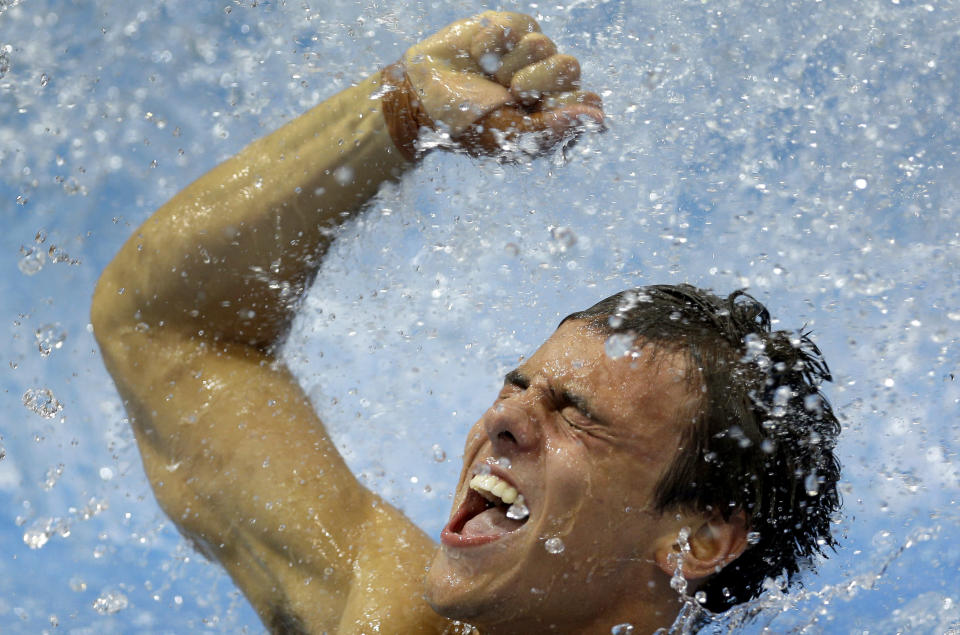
(806, 150)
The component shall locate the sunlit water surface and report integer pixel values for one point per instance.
(805, 150)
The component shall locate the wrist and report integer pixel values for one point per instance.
(403, 111)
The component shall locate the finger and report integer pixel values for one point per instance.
(519, 22)
(570, 118)
(558, 73)
(533, 48)
(489, 46)
(529, 133)
(500, 33)
(556, 101)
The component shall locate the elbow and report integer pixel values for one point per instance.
(103, 309)
(112, 313)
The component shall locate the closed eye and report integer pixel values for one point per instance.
(578, 404)
(576, 418)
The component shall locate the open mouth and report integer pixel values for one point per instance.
(492, 509)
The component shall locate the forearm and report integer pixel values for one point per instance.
(229, 255)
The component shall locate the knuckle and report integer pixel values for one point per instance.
(538, 45)
(567, 66)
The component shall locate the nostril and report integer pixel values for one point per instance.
(506, 435)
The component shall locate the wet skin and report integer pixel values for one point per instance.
(586, 438)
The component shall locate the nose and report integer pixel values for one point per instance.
(513, 425)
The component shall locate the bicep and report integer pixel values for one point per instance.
(239, 460)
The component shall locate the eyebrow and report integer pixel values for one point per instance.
(516, 378)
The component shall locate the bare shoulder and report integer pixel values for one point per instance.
(241, 463)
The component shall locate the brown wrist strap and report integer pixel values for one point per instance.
(402, 111)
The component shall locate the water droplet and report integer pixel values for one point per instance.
(44, 80)
(563, 239)
(700, 596)
(860, 184)
(678, 583)
(42, 402)
(77, 584)
(753, 537)
(618, 345)
(519, 511)
(813, 403)
(35, 537)
(31, 260)
(4, 61)
(623, 629)
(53, 475)
(343, 175)
(110, 602)
(490, 63)
(438, 454)
(782, 395)
(812, 484)
(50, 337)
(554, 545)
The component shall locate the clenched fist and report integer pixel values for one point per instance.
(494, 83)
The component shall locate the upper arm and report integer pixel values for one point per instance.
(239, 460)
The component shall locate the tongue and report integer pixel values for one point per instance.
(492, 522)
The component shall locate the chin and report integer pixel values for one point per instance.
(456, 590)
(447, 589)
(459, 589)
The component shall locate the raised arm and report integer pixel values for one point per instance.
(228, 256)
(189, 313)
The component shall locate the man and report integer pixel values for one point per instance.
(623, 461)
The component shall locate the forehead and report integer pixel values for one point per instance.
(649, 383)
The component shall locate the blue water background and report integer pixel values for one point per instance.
(805, 150)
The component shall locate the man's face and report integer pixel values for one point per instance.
(583, 438)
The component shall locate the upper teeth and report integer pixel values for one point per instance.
(492, 487)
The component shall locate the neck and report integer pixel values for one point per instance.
(644, 620)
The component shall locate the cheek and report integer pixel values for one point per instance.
(475, 438)
(629, 484)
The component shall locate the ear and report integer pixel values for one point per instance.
(713, 545)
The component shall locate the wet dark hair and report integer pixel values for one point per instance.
(762, 439)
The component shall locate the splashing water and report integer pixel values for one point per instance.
(619, 345)
(50, 337)
(803, 151)
(678, 582)
(42, 402)
(110, 602)
(31, 261)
